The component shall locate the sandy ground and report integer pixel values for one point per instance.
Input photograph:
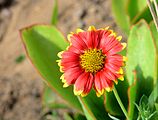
(20, 86)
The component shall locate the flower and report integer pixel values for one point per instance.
(92, 60)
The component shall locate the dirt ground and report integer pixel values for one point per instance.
(20, 86)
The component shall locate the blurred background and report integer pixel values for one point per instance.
(21, 87)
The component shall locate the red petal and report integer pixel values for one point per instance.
(78, 42)
(104, 39)
(68, 54)
(81, 81)
(108, 74)
(106, 83)
(111, 42)
(88, 85)
(115, 57)
(75, 50)
(112, 68)
(97, 82)
(72, 74)
(69, 65)
(116, 60)
(117, 48)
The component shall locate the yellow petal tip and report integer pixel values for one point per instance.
(69, 36)
(113, 34)
(83, 94)
(106, 28)
(120, 71)
(124, 45)
(98, 94)
(116, 82)
(119, 38)
(59, 54)
(91, 28)
(121, 78)
(65, 85)
(79, 30)
(62, 78)
(125, 58)
(77, 92)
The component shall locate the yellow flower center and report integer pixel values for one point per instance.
(92, 60)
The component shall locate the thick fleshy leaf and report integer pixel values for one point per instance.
(141, 54)
(134, 7)
(111, 103)
(93, 107)
(42, 43)
(118, 8)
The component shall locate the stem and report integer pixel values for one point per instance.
(120, 103)
(156, 7)
(153, 13)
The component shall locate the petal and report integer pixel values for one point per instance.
(68, 54)
(80, 83)
(104, 39)
(93, 35)
(117, 48)
(68, 65)
(112, 68)
(115, 57)
(88, 86)
(106, 83)
(98, 85)
(90, 38)
(111, 42)
(78, 42)
(108, 74)
(71, 75)
(116, 60)
(75, 50)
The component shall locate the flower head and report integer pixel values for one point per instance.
(92, 60)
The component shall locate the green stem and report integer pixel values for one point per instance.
(120, 103)
(153, 12)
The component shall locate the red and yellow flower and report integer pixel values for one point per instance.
(92, 60)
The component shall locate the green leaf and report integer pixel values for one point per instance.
(20, 58)
(144, 14)
(141, 54)
(132, 97)
(54, 18)
(51, 100)
(154, 33)
(138, 6)
(79, 117)
(118, 8)
(156, 106)
(113, 117)
(153, 98)
(110, 101)
(67, 116)
(155, 36)
(146, 112)
(93, 107)
(42, 43)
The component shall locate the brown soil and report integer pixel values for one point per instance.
(20, 85)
